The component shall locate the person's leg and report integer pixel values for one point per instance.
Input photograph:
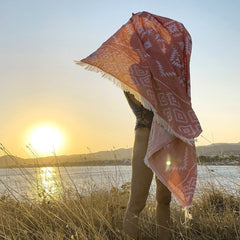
(140, 184)
(141, 174)
(163, 197)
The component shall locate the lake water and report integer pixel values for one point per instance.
(40, 183)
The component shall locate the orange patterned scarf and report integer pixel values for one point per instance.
(149, 57)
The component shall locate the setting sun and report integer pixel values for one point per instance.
(45, 139)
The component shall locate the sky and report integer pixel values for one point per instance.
(41, 84)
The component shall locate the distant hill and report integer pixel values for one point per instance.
(219, 149)
(119, 156)
(10, 161)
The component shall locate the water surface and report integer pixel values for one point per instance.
(47, 182)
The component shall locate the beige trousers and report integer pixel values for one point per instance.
(140, 184)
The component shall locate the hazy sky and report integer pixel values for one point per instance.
(40, 84)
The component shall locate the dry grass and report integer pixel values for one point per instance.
(99, 216)
(216, 215)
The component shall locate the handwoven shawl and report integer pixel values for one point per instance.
(149, 57)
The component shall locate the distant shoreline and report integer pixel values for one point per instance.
(78, 164)
(106, 163)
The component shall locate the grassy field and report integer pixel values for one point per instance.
(99, 216)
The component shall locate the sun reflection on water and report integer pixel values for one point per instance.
(48, 183)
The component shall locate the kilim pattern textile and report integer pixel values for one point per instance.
(149, 57)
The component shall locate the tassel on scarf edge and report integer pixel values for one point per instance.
(187, 214)
(141, 99)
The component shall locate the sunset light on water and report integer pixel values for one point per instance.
(48, 183)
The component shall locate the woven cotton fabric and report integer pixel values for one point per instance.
(149, 56)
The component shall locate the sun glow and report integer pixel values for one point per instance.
(46, 139)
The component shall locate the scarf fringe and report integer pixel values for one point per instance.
(187, 214)
(140, 98)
